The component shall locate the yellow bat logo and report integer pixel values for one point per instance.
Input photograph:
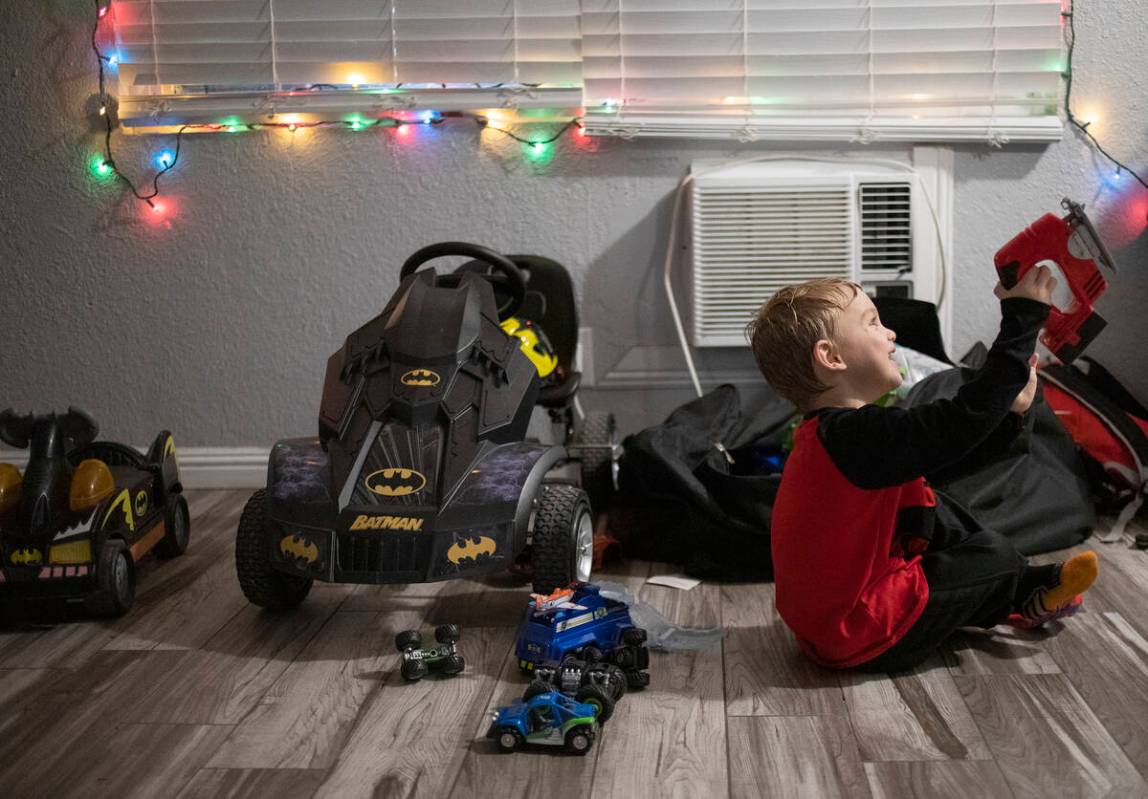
(26, 557)
(469, 548)
(420, 377)
(395, 482)
(299, 548)
(141, 503)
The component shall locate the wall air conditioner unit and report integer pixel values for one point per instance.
(758, 227)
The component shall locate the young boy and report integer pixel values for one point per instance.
(871, 570)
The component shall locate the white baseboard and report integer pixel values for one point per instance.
(201, 467)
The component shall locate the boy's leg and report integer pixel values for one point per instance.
(971, 583)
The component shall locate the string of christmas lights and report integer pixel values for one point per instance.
(1070, 40)
(165, 160)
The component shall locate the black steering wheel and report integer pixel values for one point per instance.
(506, 276)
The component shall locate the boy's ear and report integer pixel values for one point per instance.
(826, 356)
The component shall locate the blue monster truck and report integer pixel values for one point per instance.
(580, 621)
(547, 719)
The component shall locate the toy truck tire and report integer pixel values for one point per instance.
(408, 639)
(536, 688)
(115, 581)
(609, 678)
(595, 696)
(632, 658)
(453, 664)
(580, 739)
(261, 583)
(177, 528)
(447, 633)
(508, 739)
(590, 654)
(563, 538)
(633, 636)
(637, 679)
(413, 670)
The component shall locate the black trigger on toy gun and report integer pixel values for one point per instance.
(1008, 274)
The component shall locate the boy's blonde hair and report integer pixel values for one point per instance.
(783, 333)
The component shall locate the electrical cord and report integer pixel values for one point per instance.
(1070, 40)
(671, 246)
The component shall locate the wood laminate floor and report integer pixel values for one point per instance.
(197, 693)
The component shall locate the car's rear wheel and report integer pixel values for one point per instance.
(580, 739)
(596, 439)
(115, 581)
(509, 740)
(408, 639)
(261, 583)
(597, 698)
(177, 528)
(453, 664)
(563, 538)
(447, 633)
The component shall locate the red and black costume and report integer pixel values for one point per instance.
(871, 566)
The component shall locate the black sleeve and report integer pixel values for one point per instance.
(876, 447)
(995, 446)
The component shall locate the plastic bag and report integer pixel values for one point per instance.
(664, 636)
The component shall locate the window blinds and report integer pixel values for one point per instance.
(750, 69)
(210, 54)
(823, 69)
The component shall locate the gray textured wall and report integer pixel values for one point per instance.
(217, 322)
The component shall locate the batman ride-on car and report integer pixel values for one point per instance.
(448, 444)
(76, 522)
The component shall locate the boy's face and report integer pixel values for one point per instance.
(866, 347)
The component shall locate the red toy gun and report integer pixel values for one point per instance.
(1073, 245)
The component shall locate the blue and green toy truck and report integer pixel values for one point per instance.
(547, 719)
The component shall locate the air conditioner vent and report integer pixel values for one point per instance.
(749, 242)
(886, 226)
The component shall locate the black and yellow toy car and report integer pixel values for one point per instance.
(445, 432)
(82, 514)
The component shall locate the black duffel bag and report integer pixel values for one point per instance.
(1035, 491)
(698, 489)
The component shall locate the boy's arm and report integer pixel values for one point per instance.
(994, 447)
(877, 447)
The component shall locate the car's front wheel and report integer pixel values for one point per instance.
(563, 538)
(413, 670)
(261, 583)
(115, 581)
(177, 528)
(509, 740)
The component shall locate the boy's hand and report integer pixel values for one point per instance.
(1023, 400)
(1037, 284)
